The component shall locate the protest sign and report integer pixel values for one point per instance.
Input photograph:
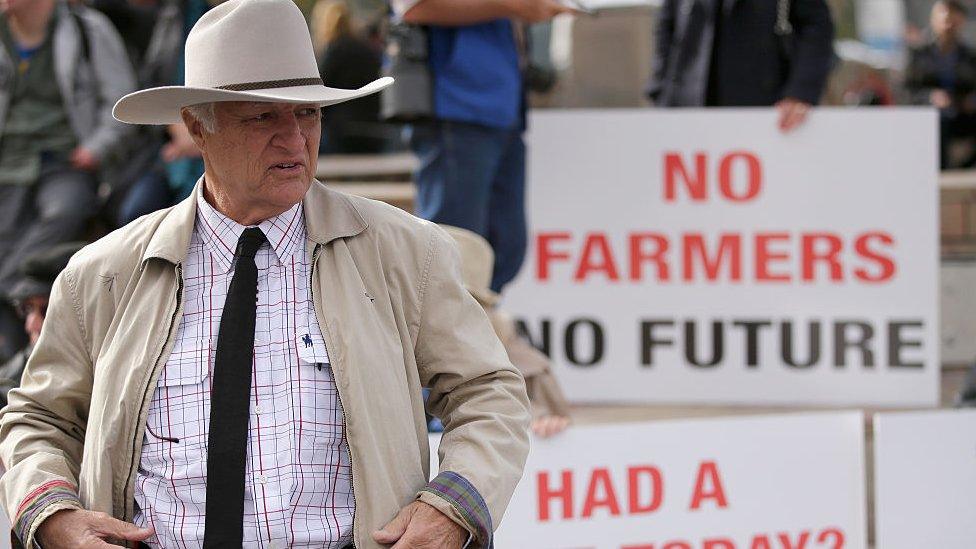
(704, 256)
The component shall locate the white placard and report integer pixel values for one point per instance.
(774, 482)
(925, 479)
(705, 257)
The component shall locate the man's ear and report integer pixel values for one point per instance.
(194, 127)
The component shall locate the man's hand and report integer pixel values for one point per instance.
(76, 528)
(940, 99)
(537, 11)
(548, 426)
(792, 113)
(421, 526)
(83, 159)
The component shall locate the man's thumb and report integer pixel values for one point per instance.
(123, 530)
(393, 529)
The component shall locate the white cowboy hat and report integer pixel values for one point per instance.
(242, 50)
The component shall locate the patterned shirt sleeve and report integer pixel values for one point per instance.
(466, 500)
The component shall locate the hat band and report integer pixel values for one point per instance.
(268, 84)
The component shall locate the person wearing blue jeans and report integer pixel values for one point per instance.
(472, 157)
(473, 176)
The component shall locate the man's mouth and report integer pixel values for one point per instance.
(288, 166)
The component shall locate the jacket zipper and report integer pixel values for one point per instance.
(331, 349)
(130, 482)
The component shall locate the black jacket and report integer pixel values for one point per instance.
(349, 62)
(752, 66)
(923, 74)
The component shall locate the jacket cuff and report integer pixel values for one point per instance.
(807, 94)
(40, 504)
(467, 502)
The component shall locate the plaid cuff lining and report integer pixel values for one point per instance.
(39, 499)
(467, 501)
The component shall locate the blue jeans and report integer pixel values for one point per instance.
(473, 177)
(149, 193)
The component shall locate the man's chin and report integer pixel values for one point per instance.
(289, 189)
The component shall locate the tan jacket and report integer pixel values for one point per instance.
(395, 317)
(545, 394)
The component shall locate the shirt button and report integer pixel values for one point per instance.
(276, 545)
(261, 479)
(258, 409)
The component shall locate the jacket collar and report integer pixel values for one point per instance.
(329, 215)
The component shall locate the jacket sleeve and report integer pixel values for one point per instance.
(475, 391)
(42, 429)
(114, 77)
(813, 50)
(663, 37)
(918, 78)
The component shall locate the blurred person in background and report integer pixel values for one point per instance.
(61, 70)
(347, 60)
(30, 295)
(472, 157)
(743, 53)
(134, 19)
(165, 163)
(942, 73)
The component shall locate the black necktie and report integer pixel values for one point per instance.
(230, 401)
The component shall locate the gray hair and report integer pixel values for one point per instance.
(204, 114)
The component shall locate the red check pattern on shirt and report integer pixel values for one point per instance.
(298, 480)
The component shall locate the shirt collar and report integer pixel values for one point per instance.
(219, 233)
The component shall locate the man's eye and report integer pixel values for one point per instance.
(309, 112)
(261, 117)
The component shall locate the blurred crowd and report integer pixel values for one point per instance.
(69, 172)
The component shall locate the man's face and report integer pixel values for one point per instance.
(946, 22)
(263, 155)
(33, 310)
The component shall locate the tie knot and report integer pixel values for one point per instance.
(251, 239)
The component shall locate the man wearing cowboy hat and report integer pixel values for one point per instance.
(245, 368)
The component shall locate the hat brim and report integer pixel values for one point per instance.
(162, 105)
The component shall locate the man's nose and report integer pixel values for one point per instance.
(288, 133)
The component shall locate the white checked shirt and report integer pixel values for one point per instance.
(298, 479)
